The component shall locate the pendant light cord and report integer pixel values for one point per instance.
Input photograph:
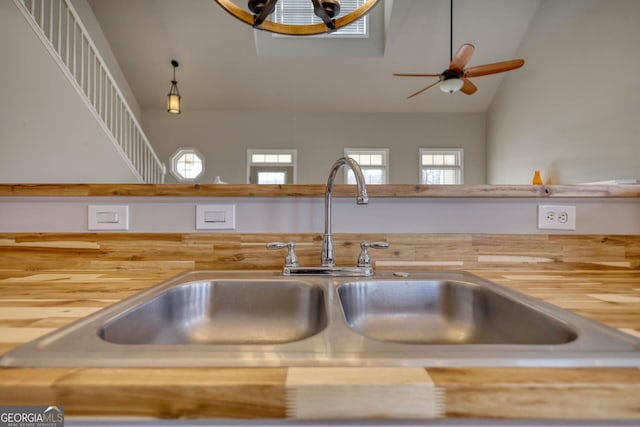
(175, 65)
(451, 31)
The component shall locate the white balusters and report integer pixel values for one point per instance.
(59, 27)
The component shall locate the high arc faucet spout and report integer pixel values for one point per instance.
(362, 198)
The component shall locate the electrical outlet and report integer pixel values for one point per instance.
(556, 217)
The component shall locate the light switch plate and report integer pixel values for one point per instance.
(215, 217)
(108, 217)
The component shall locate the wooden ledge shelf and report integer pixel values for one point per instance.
(317, 190)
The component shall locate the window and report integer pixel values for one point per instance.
(300, 12)
(441, 166)
(187, 164)
(373, 162)
(271, 166)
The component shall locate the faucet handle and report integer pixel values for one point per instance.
(291, 259)
(364, 259)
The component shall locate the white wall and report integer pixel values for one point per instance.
(223, 138)
(306, 214)
(573, 110)
(46, 132)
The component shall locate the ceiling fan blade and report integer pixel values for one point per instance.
(468, 87)
(425, 89)
(461, 57)
(416, 75)
(497, 67)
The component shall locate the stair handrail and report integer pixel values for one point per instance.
(94, 82)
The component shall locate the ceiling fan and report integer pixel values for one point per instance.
(456, 77)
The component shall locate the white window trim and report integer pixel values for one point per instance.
(174, 158)
(458, 167)
(292, 151)
(356, 150)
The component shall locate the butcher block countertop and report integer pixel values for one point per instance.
(33, 303)
(318, 190)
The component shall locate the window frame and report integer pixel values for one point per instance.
(173, 161)
(459, 166)
(272, 166)
(338, 34)
(361, 150)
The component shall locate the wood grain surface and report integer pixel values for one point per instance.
(155, 393)
(317, 190)
(229, 251)
(49, 280)
(347, 393)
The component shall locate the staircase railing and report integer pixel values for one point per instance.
(58, 26)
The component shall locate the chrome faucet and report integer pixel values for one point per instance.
(364, 266)
(361, 199)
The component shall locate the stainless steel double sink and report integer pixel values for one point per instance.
(210, 318)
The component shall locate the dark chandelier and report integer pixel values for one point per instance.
(328, 10)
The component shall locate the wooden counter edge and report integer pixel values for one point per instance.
(260, 393)
(317, 190)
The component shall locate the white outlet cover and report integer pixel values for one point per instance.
(556, 217)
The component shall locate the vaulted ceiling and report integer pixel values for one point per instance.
(226, 65)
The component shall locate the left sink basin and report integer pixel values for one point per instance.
(222, 312)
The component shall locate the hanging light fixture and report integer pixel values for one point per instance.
(456, 77)
(173, 98)
(257, 12)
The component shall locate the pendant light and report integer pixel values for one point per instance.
(173, 98)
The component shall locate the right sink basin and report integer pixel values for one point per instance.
(445, 312)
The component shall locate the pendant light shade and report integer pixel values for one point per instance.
(173, 98)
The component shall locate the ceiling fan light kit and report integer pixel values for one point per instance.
(451, 85)
(257, 12)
